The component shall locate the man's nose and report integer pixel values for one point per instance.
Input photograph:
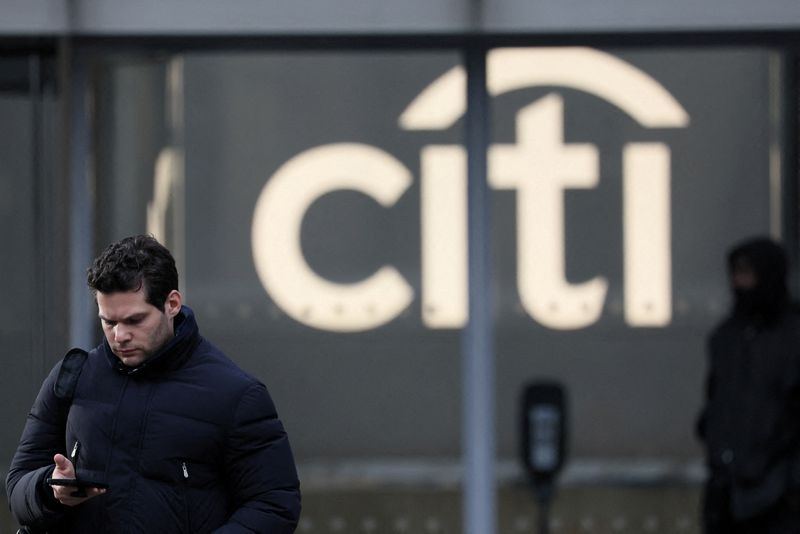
(121, 333)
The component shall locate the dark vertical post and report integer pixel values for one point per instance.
(544, 516)
(40, 213)
(75, 146)
(789, 117)
(479, 507)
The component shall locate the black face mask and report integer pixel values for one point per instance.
(769, 296)
(750, 302)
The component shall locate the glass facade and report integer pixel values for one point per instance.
(33, 318)
(316, 202)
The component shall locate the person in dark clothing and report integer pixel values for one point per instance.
(183, 439)
(750, 423)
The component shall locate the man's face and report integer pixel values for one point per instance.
(743, 275)
(134, 328)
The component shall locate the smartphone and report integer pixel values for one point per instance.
(81, 484)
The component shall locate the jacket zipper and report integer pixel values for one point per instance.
(187, 515)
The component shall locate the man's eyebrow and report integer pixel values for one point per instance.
(133, 317)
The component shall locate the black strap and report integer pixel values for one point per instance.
(64, 389)
(68, 375)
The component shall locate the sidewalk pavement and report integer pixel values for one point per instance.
(577, 509)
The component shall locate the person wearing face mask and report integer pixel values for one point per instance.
(750, 421)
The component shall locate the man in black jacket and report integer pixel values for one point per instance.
(750, 424)
(182, 438)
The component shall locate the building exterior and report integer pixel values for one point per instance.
(399, 214)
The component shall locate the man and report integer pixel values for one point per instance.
(750, 424)
(184, 440)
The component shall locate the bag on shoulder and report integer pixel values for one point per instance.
(64, 390)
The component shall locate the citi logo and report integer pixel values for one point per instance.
(539, 167)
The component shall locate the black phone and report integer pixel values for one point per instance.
(82, 484)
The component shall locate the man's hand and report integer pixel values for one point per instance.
(64, 494)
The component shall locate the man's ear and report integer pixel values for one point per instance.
(173, 303)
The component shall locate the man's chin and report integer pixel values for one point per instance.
(130, 358)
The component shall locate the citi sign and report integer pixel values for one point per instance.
(539, 168)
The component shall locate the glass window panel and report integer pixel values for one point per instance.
(33, 325)
(289, 188)
(622, 177)
(314, 201)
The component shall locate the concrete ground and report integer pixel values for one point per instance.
(578, 509)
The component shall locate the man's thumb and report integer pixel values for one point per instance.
(62, 464)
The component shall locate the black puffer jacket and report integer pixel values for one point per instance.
(187, 442)
(750, 423)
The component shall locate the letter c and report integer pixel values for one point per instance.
(277, 252)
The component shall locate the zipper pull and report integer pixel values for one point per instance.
(74, 454)
(185, 470)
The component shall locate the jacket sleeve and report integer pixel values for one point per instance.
(31, 500)
(261, 476)
(701, 421)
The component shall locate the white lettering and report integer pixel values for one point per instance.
(540, 167)
(277, 253)
(443, 204)
(646, 198)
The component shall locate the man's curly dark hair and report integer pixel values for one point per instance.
(132, 263)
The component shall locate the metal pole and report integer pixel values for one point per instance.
(545, 498)
(787, 113)
(544, 518)
(76, 148)
(479, 507)
(41, 228)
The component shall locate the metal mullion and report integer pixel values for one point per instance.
(478, 409)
